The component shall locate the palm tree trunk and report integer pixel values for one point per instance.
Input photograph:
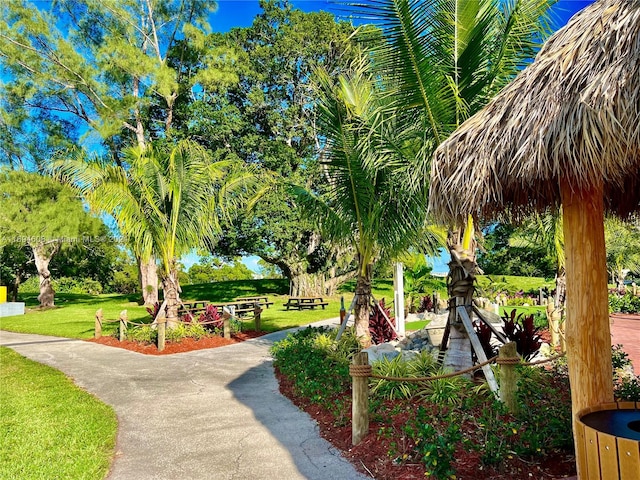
(171, 290)
(460, 285)
(148, 274)
(362, 306)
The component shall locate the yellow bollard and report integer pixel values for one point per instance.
(3, 294)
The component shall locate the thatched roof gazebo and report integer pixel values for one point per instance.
(565, 132)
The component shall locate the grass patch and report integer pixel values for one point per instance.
(512, 284)
(74, 315)
(49, 428)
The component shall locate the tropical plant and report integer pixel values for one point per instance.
(623, 250)
(381, 325)
(368, 204)
(165, 201)
(520, 328)
(443, 60)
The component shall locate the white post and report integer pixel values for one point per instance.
(398, 292)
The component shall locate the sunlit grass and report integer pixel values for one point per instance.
(49, 428)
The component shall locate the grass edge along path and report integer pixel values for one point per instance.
(49, 427)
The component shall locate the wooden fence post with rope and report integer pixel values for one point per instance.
(360, 370)
(162, 333)
(226, 324)
(257, 312)
(508, 359)
(98, 325)
(122, 331)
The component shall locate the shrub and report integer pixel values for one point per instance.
(379, 328)
(435, 441)
(627, 303)
(316, 375)
(86, 286)
(519, 328)
(125, 281)
(544, 410)
(484, 335)
(426, 304)
(153, 310)
(145, 334)
(627, 389)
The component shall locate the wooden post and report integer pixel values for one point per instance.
(98, 325)
(360, 400)
(588, 335)
(122, 331)
(508, 377)
(226, 324)
(162, 333)
(257, 312)
(554, 317)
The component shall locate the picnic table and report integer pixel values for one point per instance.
(305, 302)
(195, 308)
(261, 300)
(192, 307)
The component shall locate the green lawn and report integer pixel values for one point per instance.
(74, 315)
(49, 428)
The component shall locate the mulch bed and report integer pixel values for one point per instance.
(186, 345)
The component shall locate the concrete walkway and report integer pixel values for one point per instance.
(208, 414)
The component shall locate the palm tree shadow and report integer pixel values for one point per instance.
(293, 429)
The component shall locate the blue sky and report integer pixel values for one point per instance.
(240, 13)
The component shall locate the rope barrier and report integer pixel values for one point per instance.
(366, 370)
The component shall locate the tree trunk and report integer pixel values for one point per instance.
(171, 288)
(588, 333)
(308, 285)
(148, 274)
(460, 284)
(15, 287)
(561, 289)
(42, 255)
(362, 306)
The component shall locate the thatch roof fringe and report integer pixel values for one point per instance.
(573, 114)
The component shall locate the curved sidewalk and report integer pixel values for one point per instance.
(208, 414)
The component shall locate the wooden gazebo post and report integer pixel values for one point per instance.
(587, 330)
(588, 334)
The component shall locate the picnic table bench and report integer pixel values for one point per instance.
(195, 308)
(192, 307)
(305, 302)
(259, 299)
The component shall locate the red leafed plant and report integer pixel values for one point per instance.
(520, 329)
(211, 318)
(379, 328)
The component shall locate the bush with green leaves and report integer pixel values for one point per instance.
(435, 442)
(544, 410)
(627, 303)
(318, 368)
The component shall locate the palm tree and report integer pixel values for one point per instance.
(367, 203)
(164, 201)
(445, 59)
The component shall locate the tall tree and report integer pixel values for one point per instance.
(268, 119)
(165, 202)
(367, 203)
(102, 64)
(445, 59)
(38, 212)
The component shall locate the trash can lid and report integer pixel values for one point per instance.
(620, 423)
